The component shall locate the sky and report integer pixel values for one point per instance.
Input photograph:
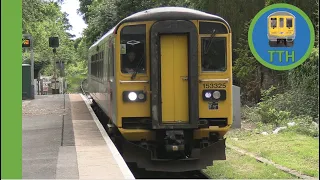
(78, 24)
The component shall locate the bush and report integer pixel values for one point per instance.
(280, 109)
(303, 82)
(250, 114)
(305, 125)
(274, 108)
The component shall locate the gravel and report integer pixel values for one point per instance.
(44, 105)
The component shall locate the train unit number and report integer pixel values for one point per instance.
(214, 85)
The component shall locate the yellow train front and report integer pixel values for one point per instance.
(281, 29)
(163, 78)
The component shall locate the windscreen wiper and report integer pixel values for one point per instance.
(213, 34)
(134, 74)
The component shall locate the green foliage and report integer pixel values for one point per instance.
(250, 114)
(76, 72)
(272, 115)
(47, 21)
(271, 110)
(303, 81)
(102, 15)
(43, 19)
(304, 125)
(246, 69)
(84, 8)
(245, 65)
(280, 109)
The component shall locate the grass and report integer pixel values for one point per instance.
(238, 166)
(288, 149)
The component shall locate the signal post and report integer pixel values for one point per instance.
(27, 43)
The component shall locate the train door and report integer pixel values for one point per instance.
(174, 73)
(282, 28)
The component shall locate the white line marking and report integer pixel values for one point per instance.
(116, 155)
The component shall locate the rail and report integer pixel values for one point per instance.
(82, 89)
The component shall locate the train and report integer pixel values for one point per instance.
(163, 79)
(281, 29)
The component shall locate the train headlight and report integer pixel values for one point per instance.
(207, 95)
(141, 96)
(216, 94)
(132, 96)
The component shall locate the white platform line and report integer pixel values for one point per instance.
(117, 156)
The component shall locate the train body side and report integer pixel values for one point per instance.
(101, 76)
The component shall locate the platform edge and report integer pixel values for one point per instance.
(116, 155)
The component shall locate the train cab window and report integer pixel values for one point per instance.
(281, 22)
(213, 53)
(133, 49)
(273, 22)
(289, 22)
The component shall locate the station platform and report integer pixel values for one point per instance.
(63, 139)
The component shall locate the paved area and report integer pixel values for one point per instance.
(48, 138)
(62, 140)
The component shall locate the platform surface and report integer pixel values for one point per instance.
(62, 139)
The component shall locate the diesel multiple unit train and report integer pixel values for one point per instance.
(281, 28)
(163, 79)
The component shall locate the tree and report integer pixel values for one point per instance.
(43, 19)
(84, 8)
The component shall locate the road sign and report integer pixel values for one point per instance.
(53, 42)
(281, 36)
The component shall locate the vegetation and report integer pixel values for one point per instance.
(46, 20)
(238, 166)
(289, 149)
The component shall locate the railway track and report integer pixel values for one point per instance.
(142, 173)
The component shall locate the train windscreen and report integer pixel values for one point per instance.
(273, 22)
(289, 22)
(213, 53)
(133, 49)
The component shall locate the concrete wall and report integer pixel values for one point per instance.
(236, 107)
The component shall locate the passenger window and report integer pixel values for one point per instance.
(281, 22)
(273, 22)
(106, 63)
(111, 56)
(133, 49)
(289, 22)
(213, 53)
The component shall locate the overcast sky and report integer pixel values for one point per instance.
(78, 25)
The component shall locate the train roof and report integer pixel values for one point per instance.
(165, 13)
(281, 13)
(171, 13)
